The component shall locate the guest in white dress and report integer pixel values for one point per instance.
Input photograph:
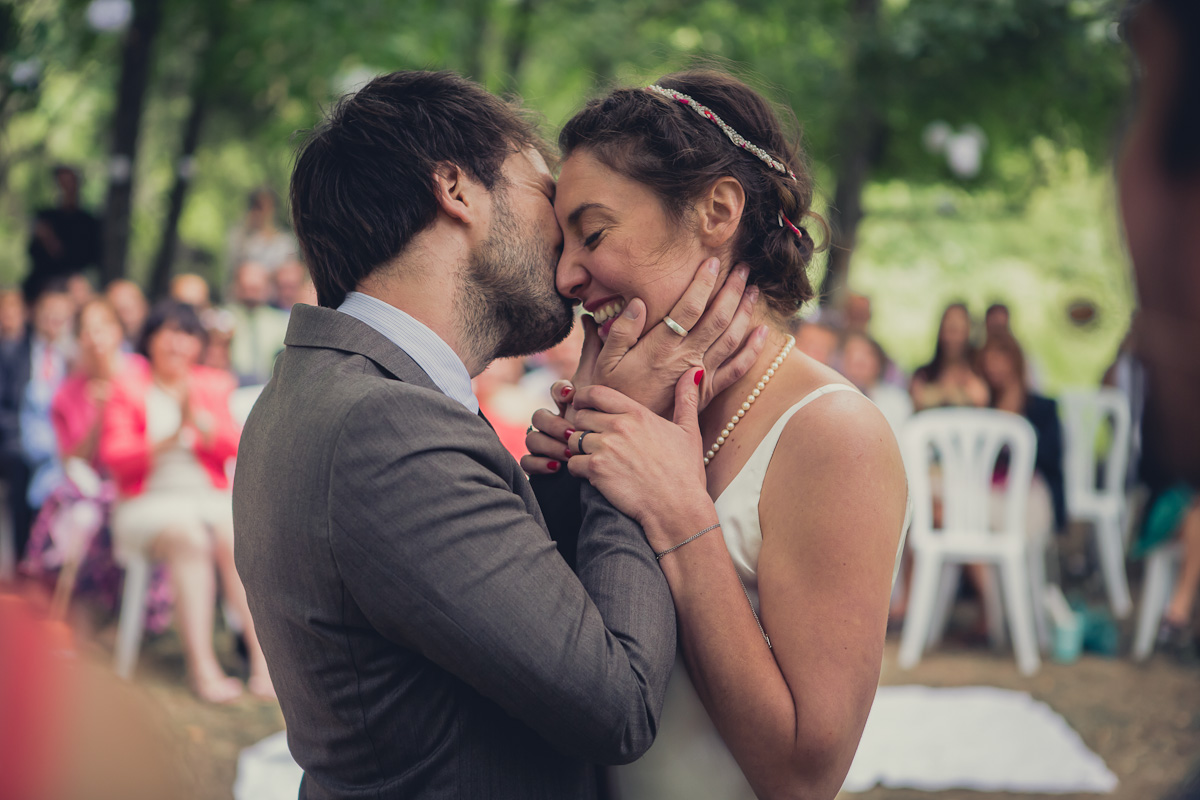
(782, 613)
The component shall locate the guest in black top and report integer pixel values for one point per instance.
(1003, 367)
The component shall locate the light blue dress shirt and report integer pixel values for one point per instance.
(432, 354)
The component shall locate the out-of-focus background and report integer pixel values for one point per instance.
(968, 145)
(963, 153)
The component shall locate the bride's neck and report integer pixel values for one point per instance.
(727, 403)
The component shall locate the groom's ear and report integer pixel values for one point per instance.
(456, 193)
(719, 211)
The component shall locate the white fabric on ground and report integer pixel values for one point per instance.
(974, 737)
(267, 771)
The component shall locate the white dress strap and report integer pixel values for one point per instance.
(761, 456)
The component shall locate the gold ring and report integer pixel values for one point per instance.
(675, 326)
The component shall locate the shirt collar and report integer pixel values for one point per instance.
(430, 351)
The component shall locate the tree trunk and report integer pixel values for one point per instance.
(202, 92)
(161, 275)
(859, 132)
(131, 96)
(474, 64)
(518, 41)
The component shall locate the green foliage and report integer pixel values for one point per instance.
(1043, 78)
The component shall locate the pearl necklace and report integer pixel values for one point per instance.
(758, 389)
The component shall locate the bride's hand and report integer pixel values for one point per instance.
(646, 368)
(546, 440)
(648, 467)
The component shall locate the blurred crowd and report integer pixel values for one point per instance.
(984, 365)
(120, 420)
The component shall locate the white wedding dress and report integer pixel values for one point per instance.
(688, 760)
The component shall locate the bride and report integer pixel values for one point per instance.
(791, 479)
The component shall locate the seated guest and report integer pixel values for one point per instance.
(863, 364)
(1003, 366)
(292, 285)
(76, 414)
(950, 378)
(258, 328)
(817, 339)
(128, 300)
(257, 239)
(29, 376)
(190, 288)
(13, 317)
(167, 437)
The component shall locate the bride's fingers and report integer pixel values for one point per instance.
(729, 339)
(537, 465)
(732, 369)
(591, 342)
(602, 398)
(687, 311)
(560, 393)
(539, 444)
(623, 334)
(726, 310)
(551, 424)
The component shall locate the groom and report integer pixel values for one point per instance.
(424, 635)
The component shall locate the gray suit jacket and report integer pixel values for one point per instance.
(424, 635)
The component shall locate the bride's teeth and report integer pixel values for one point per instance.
(605, 313)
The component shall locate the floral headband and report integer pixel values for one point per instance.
(734, 137)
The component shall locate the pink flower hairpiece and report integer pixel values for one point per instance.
(734, 137)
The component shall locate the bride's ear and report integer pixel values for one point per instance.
(719, 212)
(456, 194)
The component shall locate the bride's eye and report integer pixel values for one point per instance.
(591, 241)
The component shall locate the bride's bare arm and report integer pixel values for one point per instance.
(831, 510)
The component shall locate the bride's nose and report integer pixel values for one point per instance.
(571, 278)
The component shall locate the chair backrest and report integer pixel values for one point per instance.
(1083, 412)
(963, 445)
(242, 400)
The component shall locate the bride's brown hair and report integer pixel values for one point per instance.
(678, 154)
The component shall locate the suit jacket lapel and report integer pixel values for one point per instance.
(311, 326)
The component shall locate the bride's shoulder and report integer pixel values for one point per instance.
(837, 429)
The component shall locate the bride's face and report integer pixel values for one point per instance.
(619, 243)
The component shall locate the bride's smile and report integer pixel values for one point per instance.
(620, 243)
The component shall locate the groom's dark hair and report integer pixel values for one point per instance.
(362, 186)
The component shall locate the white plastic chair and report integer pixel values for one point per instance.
(1162, 568)
(132, 624)
(967, 443)
(1106, 506)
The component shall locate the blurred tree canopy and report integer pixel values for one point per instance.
(228, 83)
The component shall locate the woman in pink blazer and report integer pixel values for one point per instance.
(167, 438)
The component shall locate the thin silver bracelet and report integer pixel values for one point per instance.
(693, 537)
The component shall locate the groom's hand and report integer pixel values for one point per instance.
(647, 367)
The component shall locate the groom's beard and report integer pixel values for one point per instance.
(507, 305)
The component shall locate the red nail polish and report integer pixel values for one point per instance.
(699, 377)
(567, 435)
(553, 466)
(566, 392)
(568, 452)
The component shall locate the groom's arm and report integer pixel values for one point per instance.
(443, 557)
